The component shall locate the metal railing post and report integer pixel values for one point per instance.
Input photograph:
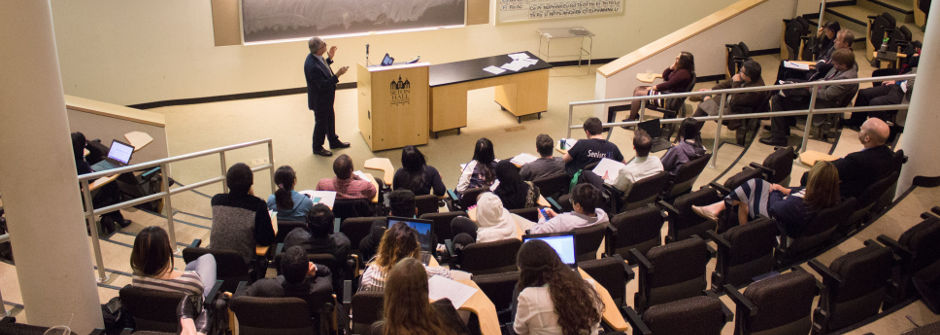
(570, 115)
(271, 162)
(642, 110)
(809, 120)
(93, 228)
(165, 182)
(721, 111)
(822, 11)
(224, 168)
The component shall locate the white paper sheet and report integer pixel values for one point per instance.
(523, 159)
(608, 169)
(794, 65)
(518, 56)
(325, 197)
(440, 288)
(493, 69)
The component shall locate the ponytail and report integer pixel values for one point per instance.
(285, 179)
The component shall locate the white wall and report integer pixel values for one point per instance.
(129, 52)
(759, 27)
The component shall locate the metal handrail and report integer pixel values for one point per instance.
(721, 108)
(164, 164)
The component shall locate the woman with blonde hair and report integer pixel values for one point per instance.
(407, 310)
(399, 242)
(792, 208)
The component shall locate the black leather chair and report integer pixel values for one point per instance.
(528, 213)
(744, 252)
(587, 240)
(742, 177)
(156, 310)
(700, 315)
(685, 177)
(262, 315)
(613, 274)
(777, 166)
(230, 266)
(671, 272)
(917, 248)
(639, 228)
(499, 288)
(441, 223)
(464, 200)
(366, 308)
(427, 203)
(777, 305)
(866, 208)
(489, 257)
(855, 285)
(356, 228)
(284, 227)
(553, 186)
(644, 191)
(352, 208)
(815, 236)
(682, 221)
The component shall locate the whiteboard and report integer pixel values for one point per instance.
(264, 20)
(527, 10)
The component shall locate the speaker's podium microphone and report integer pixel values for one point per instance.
(367, 54)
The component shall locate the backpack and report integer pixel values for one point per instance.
(737, 54)
(796, 28)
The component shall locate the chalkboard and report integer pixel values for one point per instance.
(264, 20)
(526, 10)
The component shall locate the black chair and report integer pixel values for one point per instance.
(366, 308)
(855, 285)
(441, 223)
(639, 228)
(866, 207)
(777, 305)
(528, 213)
(352, 208)
(465, 200)
(553, 186)
(701, 315)
(777, 166)
(744, 252)
(644, 191)
(8, 325)
(741, 177)
(683, 222)
(685, 177)
(671, 272)
(499, 288)
(263, 315)
(428, 203)
(587, 240)
(284, 227)
(816, 234)
(613, 274)
(674, 106)
(917, 248)
(489, 257)
(230, 266)
(156, 310)
(356, 228)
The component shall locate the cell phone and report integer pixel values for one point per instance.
(544, 213)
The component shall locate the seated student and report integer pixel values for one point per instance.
(514, 192)
(416, 175)
(829, 39)
(890, 92)
(399, 242)
(585, 199)
(240, 220)
(592, 149)
(152, 263)
(299, 278)
(827, 96)
(407, 309)
(690, 146)
(401, 204)
(546, 165)
(319, 238)
(791, 208)
(288, 204)
(642, 166)
(676, 78)
(108, 194)
(741, 103)
(859, 169)
(479, 172)
(346, 184)
(553, 299)
(494, 223)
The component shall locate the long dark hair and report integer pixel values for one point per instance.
(511, 190)
(285, 178)
(407, 309)
(78, 145)
(483, 154)
(152, 254)
(399, 241)
(576, 303)
(686, 61)
(690, 129)
(822, 186)
(412, 160)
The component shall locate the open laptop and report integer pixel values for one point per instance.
(118, 155)
(563, 245)
(655, 131)
(425, 233)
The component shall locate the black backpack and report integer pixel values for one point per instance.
(737, 54)
(881, 25)
(796, 28)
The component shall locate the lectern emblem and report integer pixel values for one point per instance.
(400, 91)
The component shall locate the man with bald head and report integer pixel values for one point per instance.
(860, 169)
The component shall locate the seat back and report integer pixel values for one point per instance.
(469, 197)
(528, 213)
(750, 253)
(783, 305)
(427, 203)
(866, 200)
(695, 315)
(441, 223)
(781, 163)
(741, 177)
(921, 240)
(276, 316)
(645, 191)
(357, 228)
(678, 272)
(817, 232)
(675, 104)
(152, 310)
(230, 266)
(351, 208)
(865, 273)
(554, 185)
(366, 308)
(610, 273)
(284, 227)
(639, 228)
(686, 175)
(490, 257)
(587, 240)
(684, 222)
(499, 288)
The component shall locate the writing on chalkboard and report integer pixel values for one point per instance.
(521, 10)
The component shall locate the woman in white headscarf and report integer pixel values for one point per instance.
(493, 223)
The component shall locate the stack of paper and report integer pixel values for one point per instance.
(519, 61)
(493, 69)
(795, 65)
(608, 169)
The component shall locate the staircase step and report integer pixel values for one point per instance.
(902, 7)
(855, 14)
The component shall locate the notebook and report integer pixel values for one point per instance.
(563, 245)
(425, 234)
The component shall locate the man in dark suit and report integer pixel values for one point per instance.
(860, 169)
(321, 91)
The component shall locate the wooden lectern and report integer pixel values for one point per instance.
(393, 105)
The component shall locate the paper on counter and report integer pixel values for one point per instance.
(523, 159)
(441, 287)
(493, 69)
(519, 56)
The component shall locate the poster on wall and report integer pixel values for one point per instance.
(265, 20)
(527, 10)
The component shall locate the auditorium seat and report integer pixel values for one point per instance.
(365, 308)
(700, 315)
(917, 248)
(528, 213)
(230, 266)
(284, 315)
(553, 186)
(670, 272)
(441, 223)
(776, 305)
(499, 288)
(686, 176)
(284, 227)
(866, 207)
(855, 285)
(351, 208)
(489, 257)
(613, 274)
(156, 310)
(427, 203)
(815, 236)
(644, 191)
(744, 252)
(682, 221)
(777, 166)
(639, 228)
(356, 228)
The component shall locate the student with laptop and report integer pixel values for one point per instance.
(642, 166)
(585, 199)
(399, 241)
(553, 299)
(401, 204)
(108, 194)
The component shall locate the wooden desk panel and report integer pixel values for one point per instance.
(521, 94)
